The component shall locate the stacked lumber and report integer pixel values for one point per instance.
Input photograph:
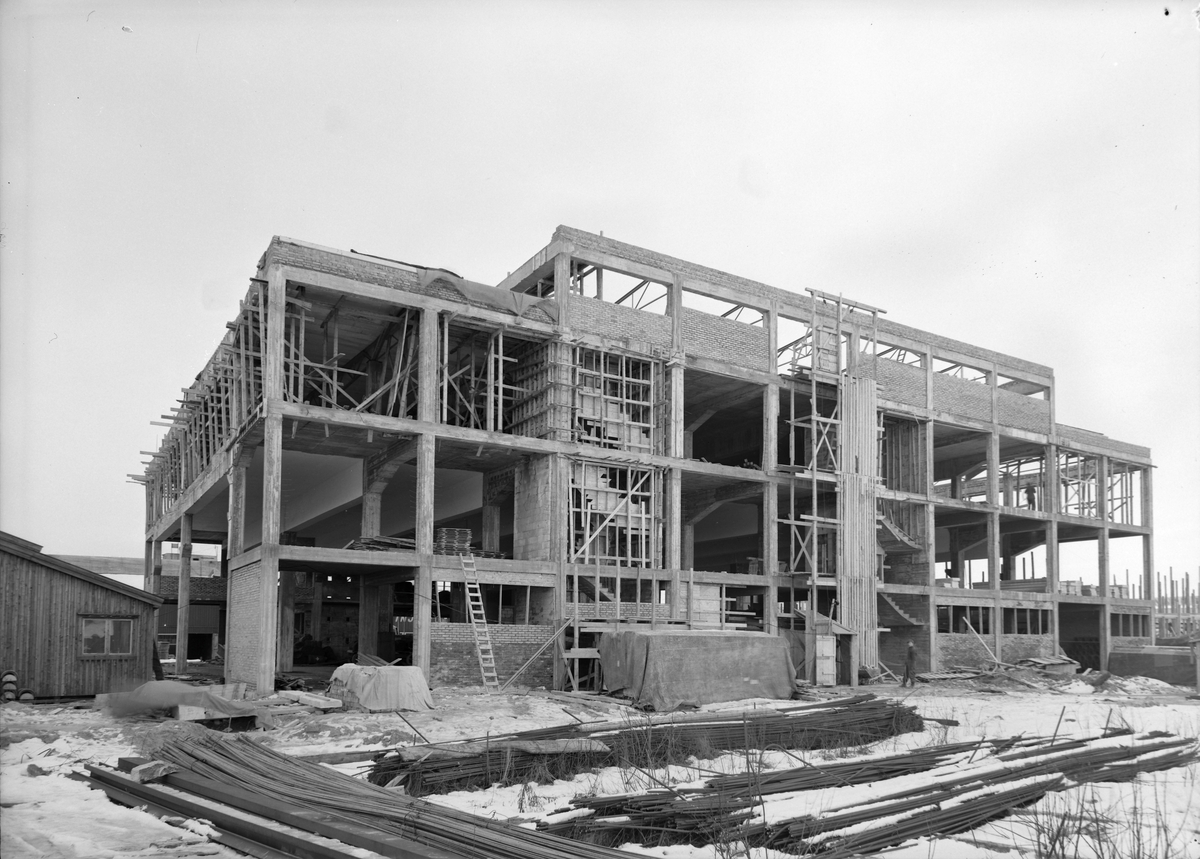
(382, 544)
(452, 541)
(870, 805)
(653, 742)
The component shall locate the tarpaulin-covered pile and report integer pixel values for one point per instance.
(665, 669)
(378, 688)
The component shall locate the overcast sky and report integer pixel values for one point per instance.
(1023, 176)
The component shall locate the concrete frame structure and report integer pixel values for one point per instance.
(636, 439)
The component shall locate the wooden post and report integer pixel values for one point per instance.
(185, 593)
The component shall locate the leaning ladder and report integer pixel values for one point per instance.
(483, 640)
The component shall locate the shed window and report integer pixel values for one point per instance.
(107, 636)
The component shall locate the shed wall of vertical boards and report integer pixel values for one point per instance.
(41, 637)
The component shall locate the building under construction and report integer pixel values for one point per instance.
(613, 436)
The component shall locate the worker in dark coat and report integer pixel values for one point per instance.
(910, 666)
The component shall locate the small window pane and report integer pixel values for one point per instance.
(121, 640)
(94, 635)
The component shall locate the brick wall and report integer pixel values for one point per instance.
(1130, 641)
(339, 627)
(201, 590)
(454, 660)
(531, 504)
(617, 322)
(727, 340)
(1018, 410)
(961, 397)
(607, 609)
(893, 648)
(907, 569)
(1014, 647)
(245, 618)
(955, 648)
(901, 383)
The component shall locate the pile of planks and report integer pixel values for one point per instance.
(871, 804)
(452, 541)
(651, 741)
(382, 544)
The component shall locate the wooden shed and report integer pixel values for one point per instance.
(67, 631)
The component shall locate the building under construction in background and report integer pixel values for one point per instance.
(620, 437)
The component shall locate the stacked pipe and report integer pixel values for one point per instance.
(652, 742)
(933, 791)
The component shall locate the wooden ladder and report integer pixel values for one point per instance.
(483, 639)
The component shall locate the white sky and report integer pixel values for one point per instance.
(1023, 176)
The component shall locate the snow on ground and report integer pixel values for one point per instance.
(46, 814)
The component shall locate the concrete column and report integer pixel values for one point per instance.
(368, 617)
(185, 593)
(1102, 555)
(428, 358)
(236, 513)
(423, 593)
(318, 605)
(1148, 575)
(372, 513)
(287, 621)
(770, 501)
(155, 586)
(491, 528)
(562, 289)
(272, 505)
(673, 533)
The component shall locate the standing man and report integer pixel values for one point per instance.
(910, 666)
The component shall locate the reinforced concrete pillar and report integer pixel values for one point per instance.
(184, 594)
(423, 586)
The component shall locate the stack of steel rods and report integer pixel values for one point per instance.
(940, 790)
(656, 742)
(239, 761)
